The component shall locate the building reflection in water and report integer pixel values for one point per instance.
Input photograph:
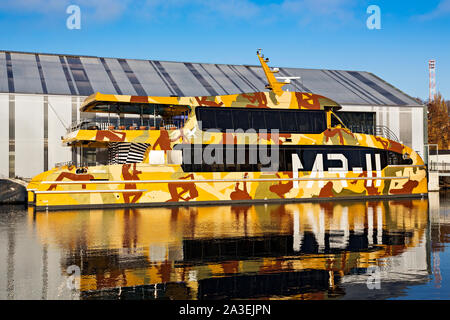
(293, 251)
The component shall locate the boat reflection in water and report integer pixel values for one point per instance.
(293, 251)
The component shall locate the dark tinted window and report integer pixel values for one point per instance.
(318, 122)
(288, 121)
(208, 118)
(285, 121)
(335, 121)
(356, 158)
(224, 119)
(241, 119)
(273, 119)
(257, 120)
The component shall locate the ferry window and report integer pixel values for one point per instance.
(311, 121)
(356, 158)
(288, 122)
(302, 122)
(257, 119)
(335, 121)
(241, 119)
(208, 118)
(318, 121)
(273, 120)
(224, 119)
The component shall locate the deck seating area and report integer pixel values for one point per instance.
(96, 124)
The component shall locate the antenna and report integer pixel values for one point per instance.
(274, 84)
(432, 73)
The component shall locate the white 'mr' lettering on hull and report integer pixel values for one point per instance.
(296, 165)
(317, 170)
(343, 170)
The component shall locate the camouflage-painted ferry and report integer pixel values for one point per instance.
(277, 145)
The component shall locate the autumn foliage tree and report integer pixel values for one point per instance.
(438, 123)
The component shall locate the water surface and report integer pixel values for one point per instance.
(394, 249)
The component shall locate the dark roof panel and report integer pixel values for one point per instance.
(4, 74)
(77, 75)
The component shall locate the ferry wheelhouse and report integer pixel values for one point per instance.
(261, 146)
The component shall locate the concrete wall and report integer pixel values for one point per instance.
(30, 142)
(31, 127)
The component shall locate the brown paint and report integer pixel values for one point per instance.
(185, 188)
(305, 102)
(327, 191)
(407, 187)
(257, 100)
(203, 101)
(282, 188)
(110, 135)
(239, 194)
(141, 99)
(133, 175)
(73, 177)
(163, 141)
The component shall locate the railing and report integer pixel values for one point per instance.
(73, 163)
(125, 124)
(149, 124)
(385, 132)
(381, 131)
(65, 163)
(439, 166)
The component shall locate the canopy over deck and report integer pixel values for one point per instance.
(109, 103)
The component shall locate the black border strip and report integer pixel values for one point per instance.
(169, 79)
(110, 75)
(41, 74)
(66, 72)
(9, 71)
(201, 79)
(132, 78)
(377, 88)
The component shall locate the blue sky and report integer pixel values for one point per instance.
(328, 34)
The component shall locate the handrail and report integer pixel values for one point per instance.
(116, 124)
(224, 180)
(439, 166)
(385, 132)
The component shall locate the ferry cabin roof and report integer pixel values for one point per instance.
(108, 103)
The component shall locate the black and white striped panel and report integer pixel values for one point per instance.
(126, 152)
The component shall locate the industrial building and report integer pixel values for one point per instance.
(40, 95)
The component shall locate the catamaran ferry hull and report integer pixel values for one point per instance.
(106, 187)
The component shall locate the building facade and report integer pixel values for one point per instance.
(40, 95)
